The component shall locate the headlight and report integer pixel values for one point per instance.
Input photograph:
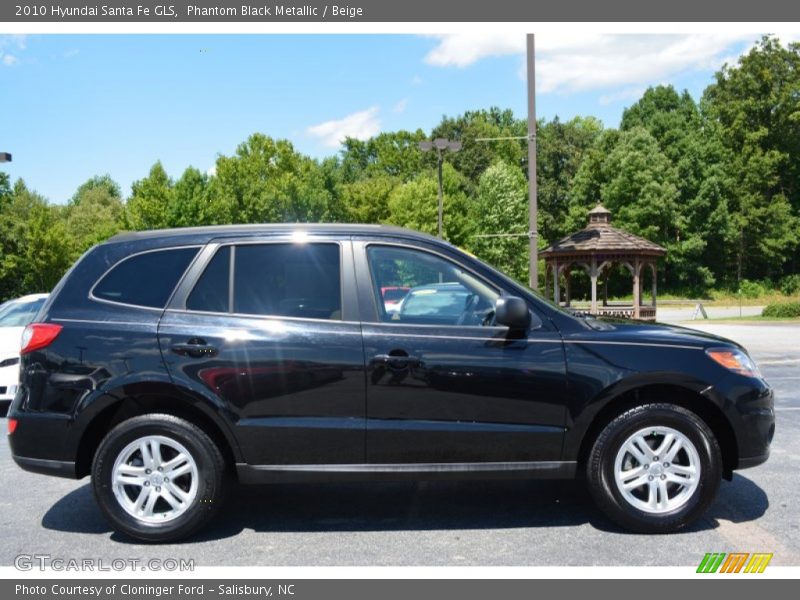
(734, 360)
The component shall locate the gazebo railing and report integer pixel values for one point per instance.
(646, 313)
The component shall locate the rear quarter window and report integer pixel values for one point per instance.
(147, 279)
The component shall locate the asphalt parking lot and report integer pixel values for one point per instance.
(491, 523)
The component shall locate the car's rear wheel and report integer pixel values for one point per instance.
(655, 468)
(158, 478)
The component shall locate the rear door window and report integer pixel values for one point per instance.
(280, 280)
(291, 280)
(147, 279)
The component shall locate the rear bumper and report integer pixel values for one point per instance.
(43, 443)
(59, 468)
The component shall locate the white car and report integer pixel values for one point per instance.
(14, 316)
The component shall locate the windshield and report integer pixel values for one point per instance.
(19, 314)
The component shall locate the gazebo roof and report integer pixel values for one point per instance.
(599, 237)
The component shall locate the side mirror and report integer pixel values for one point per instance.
(513, 312)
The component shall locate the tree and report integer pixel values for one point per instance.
(5, 188)
(267, 181)
(35, 247)
(675, 123)
(94, 214)
(189, 196)
(475, 156)
(561, 149)
(389, 154)
(102, 183)
(502, 203)
(47, 253)
(367, 200)
(415, 205)
(753, 110)
(150, 201)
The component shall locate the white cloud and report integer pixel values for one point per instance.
(576, 63)
(360, 125)
(211, 171)
(71, 53)
(17, 43)
(13, 41)
(401, 106)
(461, 49)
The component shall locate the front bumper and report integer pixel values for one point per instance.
(749, 406)
(753, 461)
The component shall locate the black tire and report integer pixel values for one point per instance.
(210, 482)
(600, 468)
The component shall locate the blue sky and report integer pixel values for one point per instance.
(74, 106)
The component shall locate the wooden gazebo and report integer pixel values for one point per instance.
(596, 248)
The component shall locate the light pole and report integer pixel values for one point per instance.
(440, 145)
(533, 235)
(5, 157)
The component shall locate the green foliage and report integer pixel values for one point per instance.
(266, 181)
(561, 149)
(35, 247)
(189, 196)
(99, 183)
(415, 205)
(476, 156)
(94, 214)
(752, 289)
(5, 188)
(150, 199)
(790, 285)
(367, 200)
(394, 154)
(783, 310)
(753, 110)
(502, 203)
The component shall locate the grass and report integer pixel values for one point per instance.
(750, 319)
(716, 299)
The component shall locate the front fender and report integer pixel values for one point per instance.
(584, 412)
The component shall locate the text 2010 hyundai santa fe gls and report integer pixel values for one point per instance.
(166, 362)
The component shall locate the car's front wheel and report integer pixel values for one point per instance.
(158, 478)
(655, 468)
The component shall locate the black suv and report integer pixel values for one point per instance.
(167, 362)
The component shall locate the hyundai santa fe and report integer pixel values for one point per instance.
(169, 364)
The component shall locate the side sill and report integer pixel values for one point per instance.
(257, 474)
(59, 468)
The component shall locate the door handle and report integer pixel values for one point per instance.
(396, 360)
(195, 348)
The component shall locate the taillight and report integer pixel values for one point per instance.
(39, 335)
(12, 426)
